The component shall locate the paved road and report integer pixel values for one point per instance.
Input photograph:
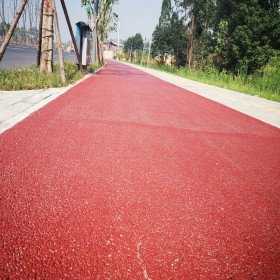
(20, 56)
(129, 177)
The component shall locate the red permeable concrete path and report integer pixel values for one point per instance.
(129, 177)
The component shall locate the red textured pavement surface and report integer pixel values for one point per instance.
(128, 177)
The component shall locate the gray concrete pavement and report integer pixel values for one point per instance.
(16, 106)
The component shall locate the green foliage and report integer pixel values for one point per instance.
(86, 2)
(251, 34)
(166, 13)
(93, 67)
(106, 20)
(31, 78)
(133, 47)
(162, 34)
(135, 43)
(177, 39)
(265, 83)
(161, 41)
(224, 38)
(168, 37)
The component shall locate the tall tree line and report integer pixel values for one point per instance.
(27, 29)
(230, 34)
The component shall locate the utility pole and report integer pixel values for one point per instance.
(119, 28)
(148, 61)
(143, 51)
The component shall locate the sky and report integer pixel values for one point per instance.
(135, 16)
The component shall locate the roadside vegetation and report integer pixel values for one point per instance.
(31, 78)
(93, 67)
(45, 73)
(231, 44)
(265, 84)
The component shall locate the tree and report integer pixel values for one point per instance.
(46, 65)
(2, 17)
(251, 36)
(234, 35)
(162, 34)
(135, 42)
(197, 15)
(39, 45)
(132, 44)
(23, 29)
(106, 21)
(177, 39)
(104, 17)
(166, 13)
(161, 41)
(168, 36)
(13, 7)
(11, 30)
(59, 45)
(89, 9)
(30, 7)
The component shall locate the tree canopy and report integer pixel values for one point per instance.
(168, 37)
(232, 35)
(135, 43)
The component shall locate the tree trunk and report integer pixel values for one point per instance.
(2, 16)
(12, 29)
(24, 35)
(30, 12)
(47, 38)
(39, 48)
(98, 47)
(59, 45)
(191, 43)
(94, 42)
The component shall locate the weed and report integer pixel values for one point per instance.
(31, 78)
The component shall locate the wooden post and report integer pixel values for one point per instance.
(59, 45)
(39, 47)
(12, 29)
(72, 35)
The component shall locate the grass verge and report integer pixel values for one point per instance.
(93, 67)
(265, 84)
(30, 77)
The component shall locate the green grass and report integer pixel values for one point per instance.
(93, 67)
(266, 84)
(31, 78)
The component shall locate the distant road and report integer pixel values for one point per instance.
(17, 56)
